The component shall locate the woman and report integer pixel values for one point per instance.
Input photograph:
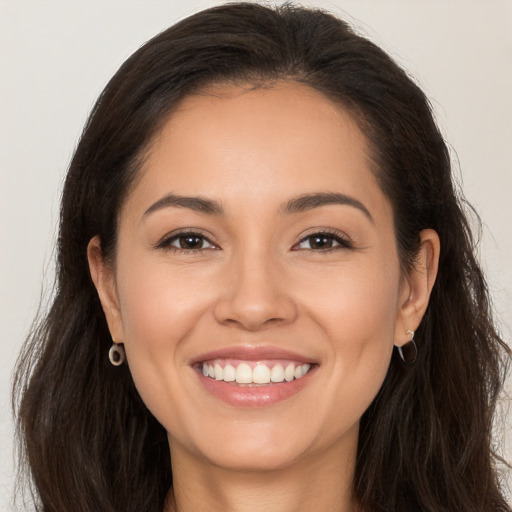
(259, 210)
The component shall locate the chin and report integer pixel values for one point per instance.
(257, 458)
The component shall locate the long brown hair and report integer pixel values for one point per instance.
(425, 442)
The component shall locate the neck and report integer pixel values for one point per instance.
(313, 485)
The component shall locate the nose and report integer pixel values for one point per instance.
(255, 295)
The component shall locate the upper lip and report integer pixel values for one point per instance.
(249, 353)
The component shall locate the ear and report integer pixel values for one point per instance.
(417, 286)
(103, 278)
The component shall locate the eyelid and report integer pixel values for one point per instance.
(165, 241)
(342, 238)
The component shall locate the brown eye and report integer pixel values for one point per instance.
(190, 242)
(187, 242)
(323, 242)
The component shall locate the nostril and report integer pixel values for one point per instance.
(250, 315)
(253, 322)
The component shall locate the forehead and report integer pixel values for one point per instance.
(238, 142)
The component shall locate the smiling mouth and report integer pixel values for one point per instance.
(253, 373)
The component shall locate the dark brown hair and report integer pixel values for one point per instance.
(425, 442)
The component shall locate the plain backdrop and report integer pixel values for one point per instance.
(56, 56)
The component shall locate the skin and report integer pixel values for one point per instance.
(256, 282)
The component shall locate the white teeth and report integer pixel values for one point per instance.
(218, 371)
(260, 374)
(229, 373)
(243, 374)
(277, 373)
(289, 373)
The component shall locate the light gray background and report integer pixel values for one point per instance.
(56, 56)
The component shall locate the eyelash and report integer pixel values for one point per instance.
(167, 241)
(343, 242)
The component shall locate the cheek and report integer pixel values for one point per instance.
(160, 307)
(356, 303)
(362, 326)
(357, 317)
(159, 302)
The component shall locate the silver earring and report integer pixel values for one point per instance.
(408, 352)
(116, 354)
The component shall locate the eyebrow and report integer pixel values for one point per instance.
(198, 204)
(310, 201)
(296, 205)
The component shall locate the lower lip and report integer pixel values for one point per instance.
(254, 396)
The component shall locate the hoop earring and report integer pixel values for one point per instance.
(408, 352)
(116, 354)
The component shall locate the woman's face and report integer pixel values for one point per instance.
(256, 245)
